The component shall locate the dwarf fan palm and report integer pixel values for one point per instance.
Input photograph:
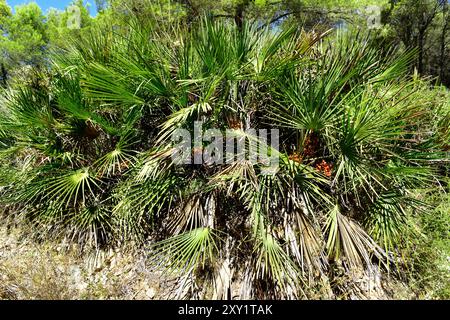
(100, 138)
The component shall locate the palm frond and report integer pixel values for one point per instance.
(192, 249)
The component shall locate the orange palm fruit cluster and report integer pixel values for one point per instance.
(234, 123)
(325, 167)
(296, 157)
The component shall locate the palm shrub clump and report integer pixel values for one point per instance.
(86, 153)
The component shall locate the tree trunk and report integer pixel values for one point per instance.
(239, 13)
(420, 44)
(239, 16)
(192, 12)
(4, 75)
(442, 63)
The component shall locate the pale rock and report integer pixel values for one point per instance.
(151, 293)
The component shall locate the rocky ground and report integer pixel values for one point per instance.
(31, 270)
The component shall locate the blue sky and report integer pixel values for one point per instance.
(58, 4)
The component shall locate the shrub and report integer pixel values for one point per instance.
(89, 152)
